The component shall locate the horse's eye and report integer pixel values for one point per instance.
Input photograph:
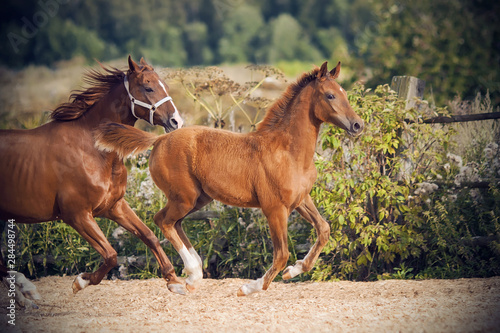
(149, 89)
(330, 96)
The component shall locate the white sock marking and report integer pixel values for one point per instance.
(83, 283)
(253, 287)
(196, 255)
(191, 265)
(295, 269)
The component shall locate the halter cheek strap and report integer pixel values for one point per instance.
(151, 107)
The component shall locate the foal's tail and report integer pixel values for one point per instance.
(123, 139)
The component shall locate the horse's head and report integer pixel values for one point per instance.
(149, 96)
(332, 103)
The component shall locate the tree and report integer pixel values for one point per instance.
(287, 41)
(240, 35)
(450, 44)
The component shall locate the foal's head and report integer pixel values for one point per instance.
(332, 103)
(150, 96)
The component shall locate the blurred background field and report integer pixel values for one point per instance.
(225, 62)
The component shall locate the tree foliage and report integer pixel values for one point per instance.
(450, 44)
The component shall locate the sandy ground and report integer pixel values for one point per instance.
(465, 305)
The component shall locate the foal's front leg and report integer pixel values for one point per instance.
(277, 219)
(309, 211)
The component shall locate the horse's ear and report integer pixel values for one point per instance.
(132, 65)
(323, 70)
(143, 62)
(336, 71)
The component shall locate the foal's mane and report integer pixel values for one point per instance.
(278, 110)
(82, 100)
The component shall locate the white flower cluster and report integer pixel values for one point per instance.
(146, 187)
(118, 234)
(455, 159)
(425, 188)
(492, 160)
(468, 173)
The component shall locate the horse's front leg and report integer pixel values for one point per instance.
(277, 219)
(122, 214)
(87, 227)
(309, 212)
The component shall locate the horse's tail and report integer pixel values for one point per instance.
(123, 139)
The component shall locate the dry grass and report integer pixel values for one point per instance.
(473, 136)
(28, 95)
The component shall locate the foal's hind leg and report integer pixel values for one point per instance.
(87, 227)
(309, 211)
(122, 214)
(202, 201)
(166, 219)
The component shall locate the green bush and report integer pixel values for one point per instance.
(389, 215)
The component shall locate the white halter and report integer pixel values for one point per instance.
(151, 108)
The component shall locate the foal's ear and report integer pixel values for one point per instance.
(132, 65)
(323, 70)
(143, 62)
(335, 72)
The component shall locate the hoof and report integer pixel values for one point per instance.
(250, 288)
(241, 292)
(191, 287)
(293, 271)
(79, 283)
(286, 273)
(33, 305)
(177, 288)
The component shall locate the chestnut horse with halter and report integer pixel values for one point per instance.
(55, 172)
(271, 168)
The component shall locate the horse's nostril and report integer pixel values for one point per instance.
(174, 123)
(356, 127)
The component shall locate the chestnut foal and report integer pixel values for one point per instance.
(271, 168)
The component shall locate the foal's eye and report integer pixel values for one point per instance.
(330, 96)
(149, 89)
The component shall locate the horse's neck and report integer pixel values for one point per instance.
(113, 107)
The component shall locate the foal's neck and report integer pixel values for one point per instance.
(302, 127)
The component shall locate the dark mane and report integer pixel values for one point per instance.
(278, 110)
(82, 100)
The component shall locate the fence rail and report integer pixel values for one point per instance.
(409, 87)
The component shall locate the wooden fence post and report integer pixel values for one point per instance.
(408, 88)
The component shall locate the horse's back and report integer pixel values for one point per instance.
(46, 166)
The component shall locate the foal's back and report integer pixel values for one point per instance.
(227, 166)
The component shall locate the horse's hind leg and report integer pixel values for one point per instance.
(309, 211)
(87, 227)
(122, 214)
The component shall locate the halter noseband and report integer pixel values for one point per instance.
(150, 107)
